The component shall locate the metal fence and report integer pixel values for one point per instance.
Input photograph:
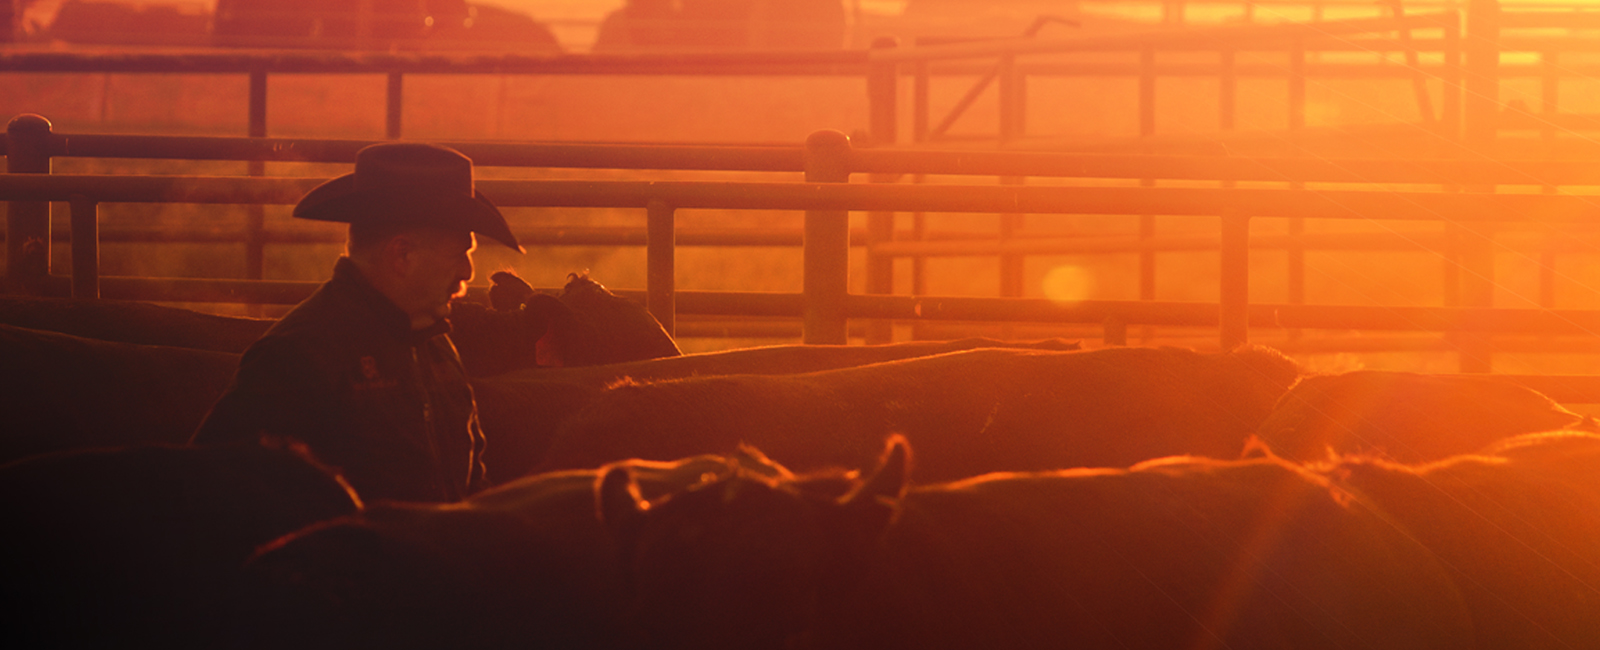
(1453, 59)
(828, 163)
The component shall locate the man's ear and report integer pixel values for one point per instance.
(399, 253)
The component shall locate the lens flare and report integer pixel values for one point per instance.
(1067, 284)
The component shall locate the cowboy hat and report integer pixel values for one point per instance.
(410, 184)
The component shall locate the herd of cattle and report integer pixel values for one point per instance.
(961, 494)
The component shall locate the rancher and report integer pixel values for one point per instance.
(364, 372)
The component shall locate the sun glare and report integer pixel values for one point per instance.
(1067, 284)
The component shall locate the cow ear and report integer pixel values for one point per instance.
(618, 503)
(868, 510)
(889, 480)
(509, 291)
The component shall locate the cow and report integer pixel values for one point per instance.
(141, 546)
(1180, 552)
(521, 410)
(1405, 417)
(585, 325)
(967, 412)
(1516, 525)
(526, 564)
(59, 391)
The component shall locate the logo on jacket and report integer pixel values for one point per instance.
(370, 379)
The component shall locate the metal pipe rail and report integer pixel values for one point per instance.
(890, 162)
(1564, 211)
(1234, 315)
(1227, 37)
(1461, 207)
(858, 161)
(211, 61)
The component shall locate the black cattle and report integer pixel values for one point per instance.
(1406, 417)
(526, 565)
(1178, 553)
(65, 392)
(521, 410)
(1517, 527)
(588, 324)
(967, 412)
(140, 546)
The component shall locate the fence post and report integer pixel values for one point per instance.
(255, 238)
(1450, 92)
(1012, 266)
(1235, 314)
(1227, 91)
(919, 102)
(85, 222)
(394, 98)
(28, 222)
(1147, 91)
(883, 94)
(1481, 113)
(660, 267)
(1297, 90)
(1147, 222)
(1482, 103)
(827, 244)
(881, 84)
(1010, 99)
(1115, 331)
(1549, 95)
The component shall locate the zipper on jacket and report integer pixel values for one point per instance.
(429, 430)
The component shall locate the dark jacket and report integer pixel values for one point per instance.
(345, 373)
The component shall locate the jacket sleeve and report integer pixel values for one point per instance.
(282, 388)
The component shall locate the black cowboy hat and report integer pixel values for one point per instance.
(411, 184)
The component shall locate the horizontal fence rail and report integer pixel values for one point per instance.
(1302, 203)
(896, 162)
(85, 192)
(1004, 62)
(1347, 189)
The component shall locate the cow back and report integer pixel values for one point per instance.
(1176, 554)
(526, 564)
(63, 392)
(521, 410)
(1406, 417)
(1518, 528)
(133, 322)
(966, 412)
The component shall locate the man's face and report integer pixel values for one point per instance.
(437, 270)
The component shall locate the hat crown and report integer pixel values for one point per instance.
(413, 168)
(407, 183)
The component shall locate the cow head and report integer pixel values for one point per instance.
(585, 325)
(593, 326)
(745, 561)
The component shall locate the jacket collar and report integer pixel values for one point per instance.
(348, 279)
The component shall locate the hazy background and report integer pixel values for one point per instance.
(786, 110)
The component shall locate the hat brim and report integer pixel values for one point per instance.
(338, 200)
